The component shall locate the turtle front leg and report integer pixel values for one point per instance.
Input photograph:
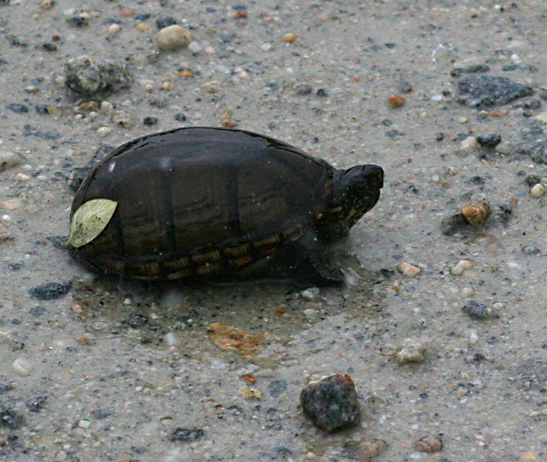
(312, 265)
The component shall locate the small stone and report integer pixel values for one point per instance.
(477, 310)
(89, 77)
(37, 403)
(143, 27)
(505, 148)
(489, 141)
(406, 269)
(186, 435)
(310, 294)
(150, 121)
(530, 250)
(461, 266)
(104, 131)
(411, 351)
(396, 101)
(123, 119)
(537, 190)
(332, 403)
(21, 366)
(84, 423)
(369, 450)
(303, 89)
(469, 144)
(480, 91)
(290, 37)
(429, 444)
(10, 418)
(467, 292)
(165, 21)
(173, 37)
(9, 160)
(114, 29)
(18, 108)
(50, 290)
(476, 212)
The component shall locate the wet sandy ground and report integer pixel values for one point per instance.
(109, 371)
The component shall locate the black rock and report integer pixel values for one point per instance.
(18, 108)
(165, 21)
(50, 290)
(37, 403)
(480, 91)
(186, 435)
(150, 121)
(303, 89)
(489, 141)
(332, 403)
(477, 310)
(9, 418)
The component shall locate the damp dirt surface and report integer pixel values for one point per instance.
(447, 96)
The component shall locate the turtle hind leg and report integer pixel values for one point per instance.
(310, 263)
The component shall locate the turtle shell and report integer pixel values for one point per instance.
(197, 202)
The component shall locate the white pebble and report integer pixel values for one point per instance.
(21, 366)
(467, 292)
(310, 294)
(173, 37)
(406, 269)
(84, 423)
(114, 29)
(537, 190)
(411, 351)
(21, 177)
(469, 144)
(104, 131)
(266, 47)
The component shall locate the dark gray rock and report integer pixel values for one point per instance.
(332, 403)
(481, 91)
(50, 290)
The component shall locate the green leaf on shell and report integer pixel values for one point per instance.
(90, 220)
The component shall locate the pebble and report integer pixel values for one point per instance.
(173, 37)
(165, 21)
(467, 292)
(461, 266)
(396, 101)
(88, 77)
(411, 351)
(104, 131)
(114, 29)
(10, 418)
(480, 91)
(477, 310)
(289, 37)
(530, 250)
(469, 144)
(406, 269)
(310, 294)
(476, 213)
(21, 366)
(18, 108)
(9, 160)
(50, 290)
(537, 190)
(505, 148)
(84, 423)
(332, 403)
(303, 89)
(429, 444)
(186, 435)
(371, 449)
(489, 141)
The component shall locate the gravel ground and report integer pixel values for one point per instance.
(114, 371)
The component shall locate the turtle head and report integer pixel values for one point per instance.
(356, 191)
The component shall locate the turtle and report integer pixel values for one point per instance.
(217, 203)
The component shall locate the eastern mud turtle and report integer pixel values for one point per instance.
(223, 203)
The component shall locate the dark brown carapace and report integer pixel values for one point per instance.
(202, 202)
